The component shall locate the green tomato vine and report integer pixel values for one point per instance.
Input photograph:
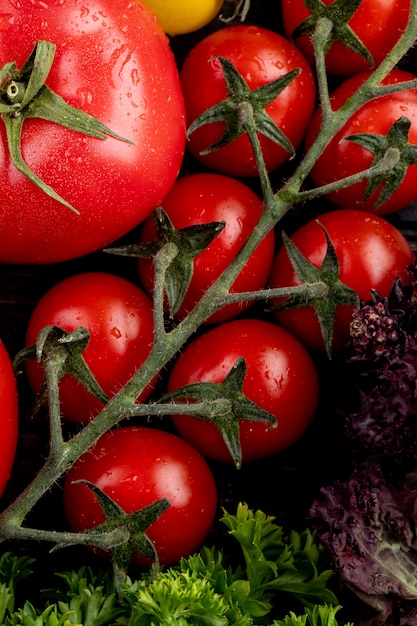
(61, 353)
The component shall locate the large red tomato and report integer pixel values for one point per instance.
(377, 23)
(280, 377)
(9, 416)
(119, 318)
(260, 56)
(136, 467)
(343, 157)
(209, 197)
(371, 253)
(112, 61)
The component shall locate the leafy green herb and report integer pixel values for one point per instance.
(275, 570)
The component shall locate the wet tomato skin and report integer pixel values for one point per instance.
(119, 318)
(377, 23)
(210, 197)
(136, 466)
(260, 56)
(342, 157)
(9, 421)
(114, 62)
(281, 378)
(371, 253)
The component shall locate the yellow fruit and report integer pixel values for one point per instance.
(178, 17)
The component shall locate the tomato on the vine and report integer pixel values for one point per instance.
(381, 117)
(378, 24)
(9, 416)
(112, 61)
(371, 252)
(281, 378)
(178, 17)
(209, 197)
(119, 318)
(136, 467)
(260, 56)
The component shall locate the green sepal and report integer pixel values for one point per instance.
(189, 242)
(335, 293)
(338, 13)
(65, 351)
(232, 110)
(135, 539)
(240, 407)
(24, 95)
(397, 138)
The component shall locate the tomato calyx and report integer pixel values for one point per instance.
(131, 537)
(24, 95)
(397, 139)
(61, 352)
(334, 292)
(243, 108)
(189, 242)
(338, 14)
(239, 407)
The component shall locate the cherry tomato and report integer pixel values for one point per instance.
(136, 467)
(9, 416)
(118, 316)
(343, 157)
(281, 378)
(377, 23)
(178, 17)
(112, 61)
(260, 56)
(208, 197)
(371, 252)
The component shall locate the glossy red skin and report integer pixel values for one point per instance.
(281, 378)
(137, 466)
(344, 158)
(113, 61)
(377, 23)
(371, 253)
(210, 197)
(9, 416)
(119, 317)
(260, 56)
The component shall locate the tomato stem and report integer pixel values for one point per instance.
(167, 343)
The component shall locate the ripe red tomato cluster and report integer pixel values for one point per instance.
(113, 62)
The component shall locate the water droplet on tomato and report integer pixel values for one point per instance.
(6, 21)
(134, 74)
(85, 96)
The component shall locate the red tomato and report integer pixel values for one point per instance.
(343, 158)
(114, 62)
(9, 416)
(203, 198)
(377, 23)
(260, 56)
(136, 467)
(118, 316)
(281, 378)
(371, 253)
